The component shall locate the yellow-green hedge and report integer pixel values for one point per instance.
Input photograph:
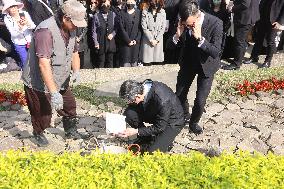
(194, 170)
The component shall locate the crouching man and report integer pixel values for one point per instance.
(46, 76)
(152, 102)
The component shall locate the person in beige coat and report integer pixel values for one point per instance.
(153, 24)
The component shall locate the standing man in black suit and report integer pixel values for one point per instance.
(200, 36)
(246, 13)
(271, 19)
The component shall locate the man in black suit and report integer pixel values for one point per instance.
(271, 19)
(200, 36)
(152, 102)
(246, 14)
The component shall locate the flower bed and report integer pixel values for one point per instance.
(12, 98)
(248, 87)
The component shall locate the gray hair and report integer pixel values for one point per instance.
(188, 8)
(129, 89)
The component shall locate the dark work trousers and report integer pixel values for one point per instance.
(184, 80)
(163, 141)
(105, 60)
(264, 30)
(40, 108)
(241, 32)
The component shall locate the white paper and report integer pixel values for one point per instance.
(115, 123)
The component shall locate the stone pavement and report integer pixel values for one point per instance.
(254, 123)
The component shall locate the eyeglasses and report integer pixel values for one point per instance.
(94, 2)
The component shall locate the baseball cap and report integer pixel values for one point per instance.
(75, 11)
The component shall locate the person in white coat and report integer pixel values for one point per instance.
(20, 26)
(153, 24)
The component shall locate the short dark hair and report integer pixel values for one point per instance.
(129, 89)
(188, 8)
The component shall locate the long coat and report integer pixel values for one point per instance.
(101, 29)
(129, 29)
(153, 30)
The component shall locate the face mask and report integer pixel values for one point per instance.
(153, 5)
(130, 6)
(105, 8)
(216, 2)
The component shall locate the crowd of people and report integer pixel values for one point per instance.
(51, 40)
(123, 33)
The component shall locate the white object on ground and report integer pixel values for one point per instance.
(115, 123)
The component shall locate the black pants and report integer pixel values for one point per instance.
(184, 80)
(82, 59)
(135, 117)
(265, 30)
(241, 32)
(105, 60)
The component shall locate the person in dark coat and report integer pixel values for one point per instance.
(104, 30)
(219, 8)
(271, 19)
(200, 36)
(246, 13)
(130, 35)
(92, 9)
(152, 102)
(41, 10)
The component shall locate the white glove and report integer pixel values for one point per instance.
(56, 101)
(75, 78)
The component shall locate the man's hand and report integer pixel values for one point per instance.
(130, 44)
(276, 25)
(180, 29)
(56, 101)
(110, 36)
(134, 42)
(128, 132)
(196, 31)
(97, 46)
(154, 42)
(75, 78)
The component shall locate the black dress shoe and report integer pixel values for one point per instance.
(40, 139)
(231, 67)
(195, 128)
(251, 60)
(266, 65)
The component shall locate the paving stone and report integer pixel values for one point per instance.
(233, 107)
(10, 143)
(229, 143)
(15, 107)
(278, 104)
(278, 150)
(276, 139)
(253, 144)
(87, 120)
(214, 109)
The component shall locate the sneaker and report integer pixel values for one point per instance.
(40, 139)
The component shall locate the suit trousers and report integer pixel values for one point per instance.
(162, 142)
(265, 30)
(241, 32)
(40, 108)
(105, 60)
(184, 80)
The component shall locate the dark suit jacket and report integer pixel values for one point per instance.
(208, 55)
(39, 12)
(246, 11)
(129, 29)
(276, 12)
(162, 108)
(101, 29)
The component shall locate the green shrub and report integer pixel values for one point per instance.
(193, 170)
